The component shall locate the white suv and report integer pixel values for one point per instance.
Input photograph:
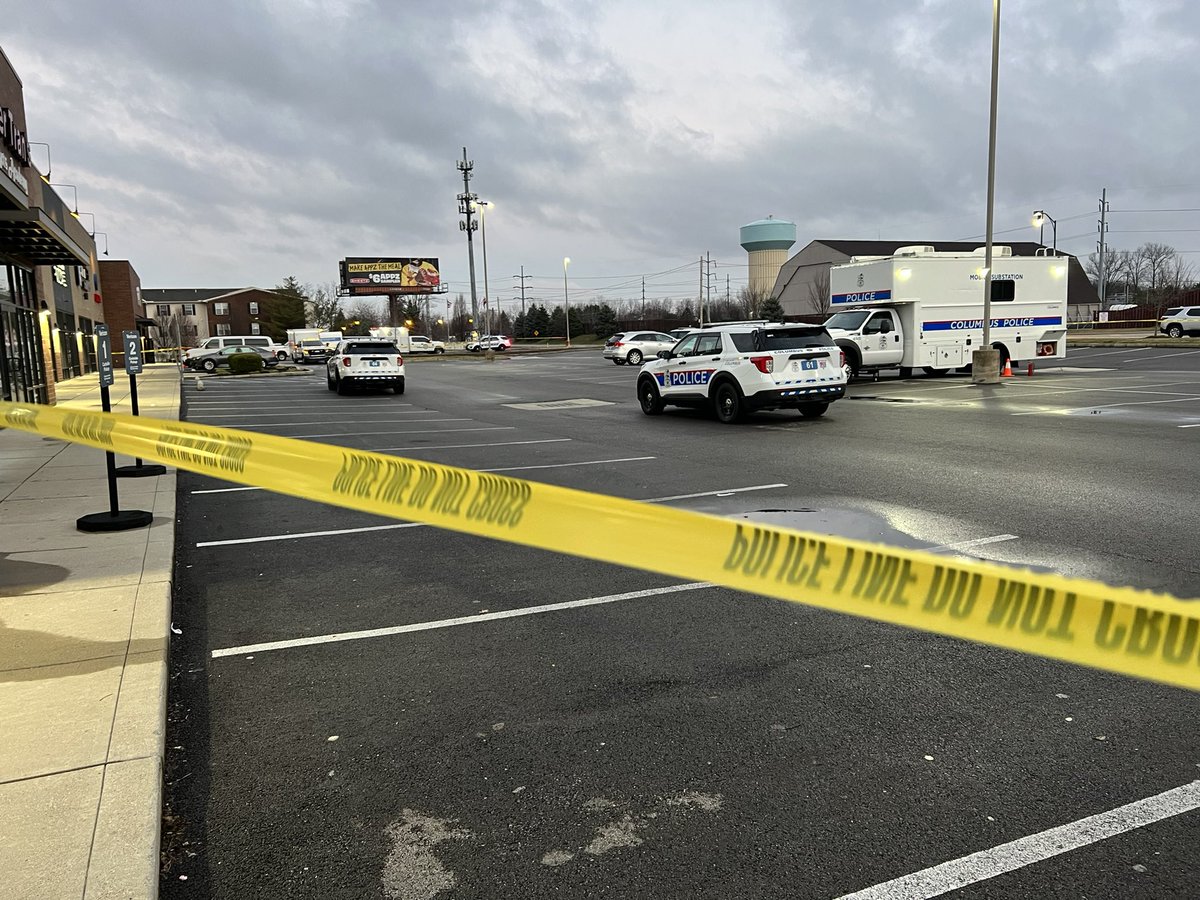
(1180, 320)
(736, 368)
(363, 362)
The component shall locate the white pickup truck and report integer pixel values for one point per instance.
(419, 343)
(924, 309)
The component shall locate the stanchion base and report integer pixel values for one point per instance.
(122, 521)
(145, 470)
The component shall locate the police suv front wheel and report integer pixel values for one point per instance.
(728, 404)
(649, 398)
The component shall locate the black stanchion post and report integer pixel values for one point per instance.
(115, 519)
(133, 367)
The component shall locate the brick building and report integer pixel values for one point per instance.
(193, 314)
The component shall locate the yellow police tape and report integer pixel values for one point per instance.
(1124, 630)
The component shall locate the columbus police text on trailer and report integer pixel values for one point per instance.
(923, 309)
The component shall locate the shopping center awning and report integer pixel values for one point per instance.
(33, 236)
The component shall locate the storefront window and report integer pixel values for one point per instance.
(22, 377)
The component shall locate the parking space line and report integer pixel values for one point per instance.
(413, 431)
(958, 873)
(977, 542)
(1108, 352)
(590, 462)
(1110, 405)
(403, 412)
(379, 421)
(267, 538)
(1164, 356)
(462, 446)
(451, 623)
(725, 492)
(1197, 425)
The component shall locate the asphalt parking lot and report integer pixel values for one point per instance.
(646, 738)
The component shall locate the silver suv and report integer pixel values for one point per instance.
(736, 368)
(634, 346)
(1180, 320)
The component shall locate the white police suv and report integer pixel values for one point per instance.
(735, 368)
(365, 362)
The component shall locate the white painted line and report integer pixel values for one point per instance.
(1084, 352)
(451, 623)
(413, 431)
(1197, 425)
(462, 446)
(977, 542)
(228, 490)
(1112, 405)
(722, 493)
(958, 873)
(590, 462)
(307, 534)
(1164, 356)
(271, 415)
(248, 423)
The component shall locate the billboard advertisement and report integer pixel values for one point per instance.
(390, 275)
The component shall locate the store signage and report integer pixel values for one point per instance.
(16, 142)
(104, 360)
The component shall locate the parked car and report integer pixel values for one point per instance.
(1180, 320)
(365, 362)
(212, 360)
(634, 346)
(310, 350)
(734, 369)
(419, 343)
(237, 340)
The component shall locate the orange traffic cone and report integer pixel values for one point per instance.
(1007, 373)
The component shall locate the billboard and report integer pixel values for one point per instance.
(390, 275)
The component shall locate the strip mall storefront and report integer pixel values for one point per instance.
(36, 230)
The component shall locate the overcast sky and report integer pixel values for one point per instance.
(233, 142)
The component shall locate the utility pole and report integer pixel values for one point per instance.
(700, 299)
(522, 276)
(1101, 245)
(708, 280)
(466, 208)
(643, 301)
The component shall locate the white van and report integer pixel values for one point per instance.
(235, 340)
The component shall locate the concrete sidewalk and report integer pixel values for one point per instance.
(84, 633)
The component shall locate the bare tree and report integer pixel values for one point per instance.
(175, 331)
(325, 308)
(751, 300)
(818, 292)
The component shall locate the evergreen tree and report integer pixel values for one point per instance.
(771, 310)
(539, 321)
(284, 311)
(606, 321)
(557, 327)
(577, 326)
(519, 326)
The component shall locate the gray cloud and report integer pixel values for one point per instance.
(237, 142)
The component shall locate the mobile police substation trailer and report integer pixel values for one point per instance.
(924, 309)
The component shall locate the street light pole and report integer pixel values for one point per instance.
(985, 362)
(1039, 219)
(567, 298)
(483, 207)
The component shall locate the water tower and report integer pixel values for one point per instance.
(767, 241)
